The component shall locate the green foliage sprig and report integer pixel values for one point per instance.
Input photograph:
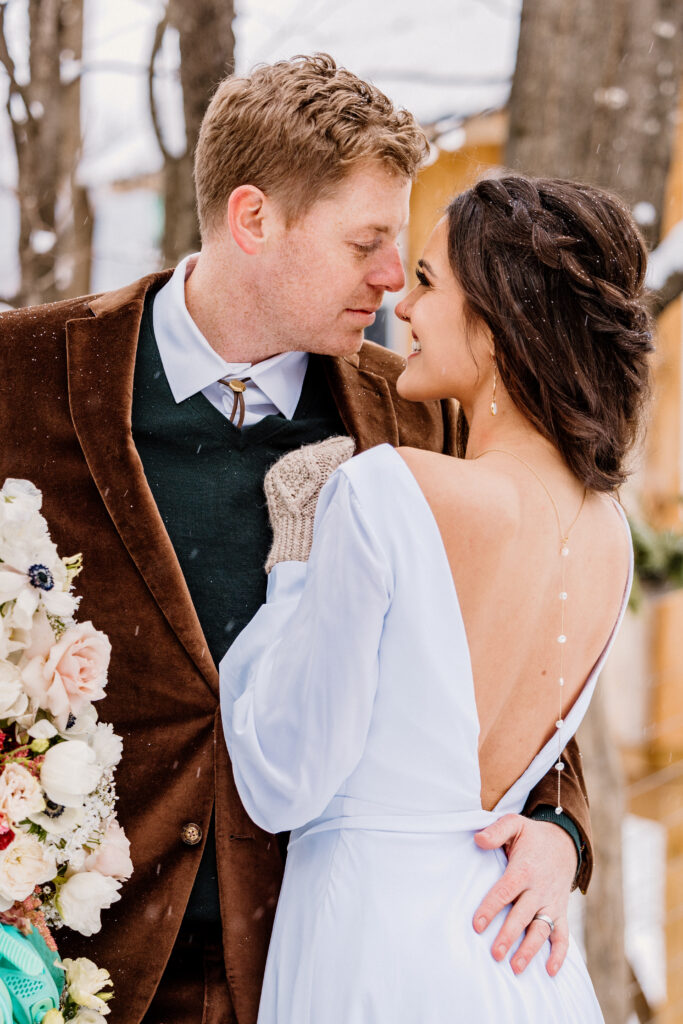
(658, 560)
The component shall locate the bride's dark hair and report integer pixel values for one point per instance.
(555, 269)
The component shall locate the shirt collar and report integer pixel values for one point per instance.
(191, 365)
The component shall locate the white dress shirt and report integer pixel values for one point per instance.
(191, 365)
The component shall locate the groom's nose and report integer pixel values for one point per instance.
(387, 272)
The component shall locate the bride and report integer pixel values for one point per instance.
(416, 676)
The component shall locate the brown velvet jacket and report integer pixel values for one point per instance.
(66, 381)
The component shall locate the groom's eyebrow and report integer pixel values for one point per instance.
(386, 229)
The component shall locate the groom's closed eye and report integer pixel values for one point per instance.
(367, 248)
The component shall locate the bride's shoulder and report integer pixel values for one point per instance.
(463, 489)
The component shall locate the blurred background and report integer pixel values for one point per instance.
(100, 106)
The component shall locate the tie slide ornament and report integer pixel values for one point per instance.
(238, 386)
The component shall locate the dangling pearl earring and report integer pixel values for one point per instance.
(494, 404)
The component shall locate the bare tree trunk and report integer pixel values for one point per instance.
(74, 239)
(207, 47)
(603, 108)
(604, 937)
(44, 116)
(36, 136)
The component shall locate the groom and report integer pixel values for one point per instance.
(148, 417)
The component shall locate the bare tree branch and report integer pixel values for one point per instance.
(128, 67)
(153, 109)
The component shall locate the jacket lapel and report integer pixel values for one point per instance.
(101, 363)
(364, 402)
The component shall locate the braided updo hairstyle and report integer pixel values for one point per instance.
(555, 270)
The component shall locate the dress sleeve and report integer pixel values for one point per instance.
(298, 685)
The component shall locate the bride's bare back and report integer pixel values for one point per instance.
(501, 538)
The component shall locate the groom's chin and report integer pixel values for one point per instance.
(347, 344)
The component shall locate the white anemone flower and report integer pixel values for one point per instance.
(58, 820)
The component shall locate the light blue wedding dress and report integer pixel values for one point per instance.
(349, 712)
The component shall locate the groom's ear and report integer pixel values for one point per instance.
(248, 215)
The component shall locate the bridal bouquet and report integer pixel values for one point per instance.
(63, 854)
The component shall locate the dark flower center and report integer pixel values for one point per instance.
(41, 577)
(53, 810)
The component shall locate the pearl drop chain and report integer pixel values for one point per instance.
(562, 636)
(562, 640)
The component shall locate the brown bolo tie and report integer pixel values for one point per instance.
(238, 386)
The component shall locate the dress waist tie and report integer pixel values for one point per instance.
(449, 821)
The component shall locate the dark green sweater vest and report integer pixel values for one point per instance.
(207, 480)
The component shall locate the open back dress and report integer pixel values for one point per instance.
(349, 712)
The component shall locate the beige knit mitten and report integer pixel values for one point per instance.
(292, 488)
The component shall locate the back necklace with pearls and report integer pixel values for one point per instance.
(562, 637)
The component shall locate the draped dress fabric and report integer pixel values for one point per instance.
(349, 712)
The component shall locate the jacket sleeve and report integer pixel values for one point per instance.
(293, 732)
(574, 803)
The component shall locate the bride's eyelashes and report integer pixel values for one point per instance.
(422, 278)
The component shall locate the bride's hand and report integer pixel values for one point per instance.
(542, 863)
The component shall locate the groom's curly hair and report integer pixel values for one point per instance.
(294, 129)
(556, 271)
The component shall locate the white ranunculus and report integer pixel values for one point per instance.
(84, 980)
(82, 897)
(25, 864)
(23, 532)
(108, 747)
(69, 772)
(23, 544)
(20, 793)
(13, 700)
(19, 500)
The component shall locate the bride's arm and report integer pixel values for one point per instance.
(293, 732)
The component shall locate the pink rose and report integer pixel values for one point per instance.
(112, 856)
(73, 674)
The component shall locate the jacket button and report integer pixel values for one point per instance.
(191, 834)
